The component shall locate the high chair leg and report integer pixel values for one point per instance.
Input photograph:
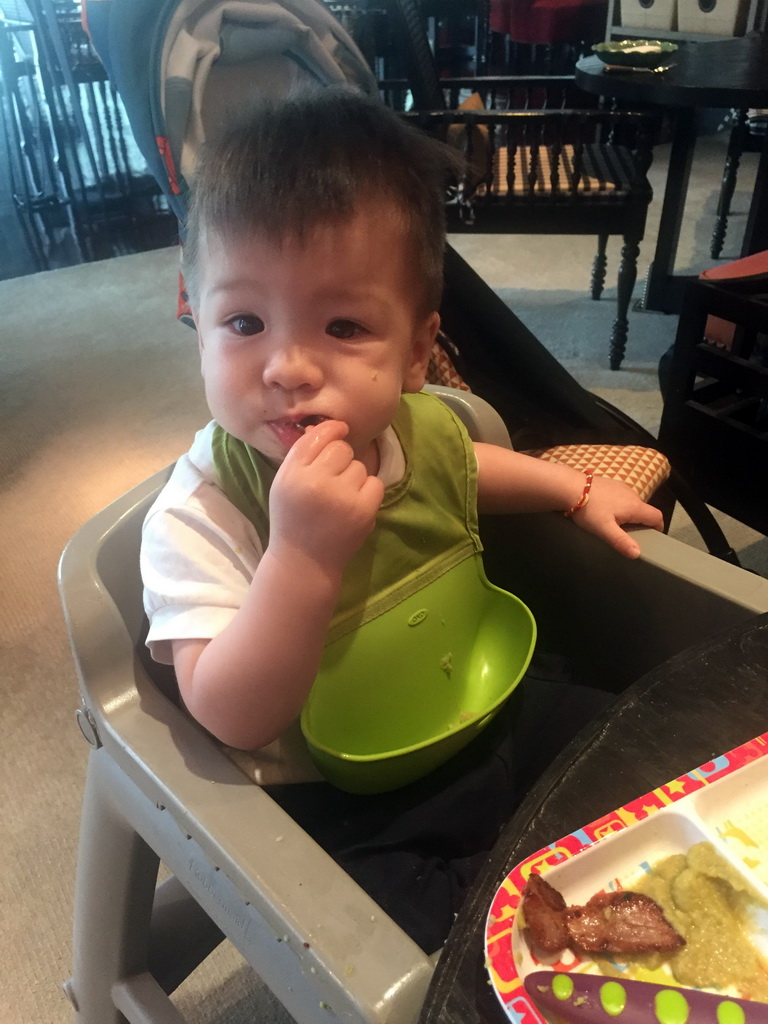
(133, 942)
(115, 885)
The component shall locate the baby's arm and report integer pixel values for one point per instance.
(512, 482)
(248, 683)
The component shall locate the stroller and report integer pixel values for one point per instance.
(202, 54)
(159, 788)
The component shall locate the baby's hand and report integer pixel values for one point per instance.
(323, 502)
(611, 504)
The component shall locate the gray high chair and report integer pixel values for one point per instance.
(160, 789)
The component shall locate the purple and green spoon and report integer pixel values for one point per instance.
(587, 999)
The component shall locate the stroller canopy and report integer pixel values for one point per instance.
(183, 66)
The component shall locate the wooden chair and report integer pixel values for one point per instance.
(748, 135)
(539, 159)
(714, 426)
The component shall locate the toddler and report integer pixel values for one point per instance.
(328, 481)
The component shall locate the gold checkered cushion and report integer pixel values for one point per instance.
(533, 171)
(540, 169)
(604, 169)
(642, 469)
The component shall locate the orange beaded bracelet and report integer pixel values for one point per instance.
(584, 495)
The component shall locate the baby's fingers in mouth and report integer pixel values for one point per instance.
(321, 431)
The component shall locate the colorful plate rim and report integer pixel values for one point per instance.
(502, 971)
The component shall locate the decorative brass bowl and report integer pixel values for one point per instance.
(635, 53)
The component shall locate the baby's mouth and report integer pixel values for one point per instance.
(288, 431)
(310, 421)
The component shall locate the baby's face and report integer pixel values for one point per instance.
(293, 333)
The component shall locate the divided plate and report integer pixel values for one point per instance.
(724, 802)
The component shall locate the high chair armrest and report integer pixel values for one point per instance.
(616, 618)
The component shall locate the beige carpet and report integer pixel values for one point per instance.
(99, 388)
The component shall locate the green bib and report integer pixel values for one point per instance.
(426, 525)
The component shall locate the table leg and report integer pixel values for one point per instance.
(662, 290)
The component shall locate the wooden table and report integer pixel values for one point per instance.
(723, 73)
(696, 706)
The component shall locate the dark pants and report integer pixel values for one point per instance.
(417, 849)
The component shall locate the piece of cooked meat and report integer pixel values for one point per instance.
(621, 922)
(544, 910)
(610, 922)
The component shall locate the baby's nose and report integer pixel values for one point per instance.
(291, 367)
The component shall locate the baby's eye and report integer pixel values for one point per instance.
(344, 329)
(247, 324)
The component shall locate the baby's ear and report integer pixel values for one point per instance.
(423, 340)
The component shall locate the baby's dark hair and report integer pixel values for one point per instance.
(310, 159)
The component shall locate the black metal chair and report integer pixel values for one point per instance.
(539, 159)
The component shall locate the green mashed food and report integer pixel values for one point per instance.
(709, 904)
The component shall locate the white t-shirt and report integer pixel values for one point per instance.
(199, 552)
(198, 557)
